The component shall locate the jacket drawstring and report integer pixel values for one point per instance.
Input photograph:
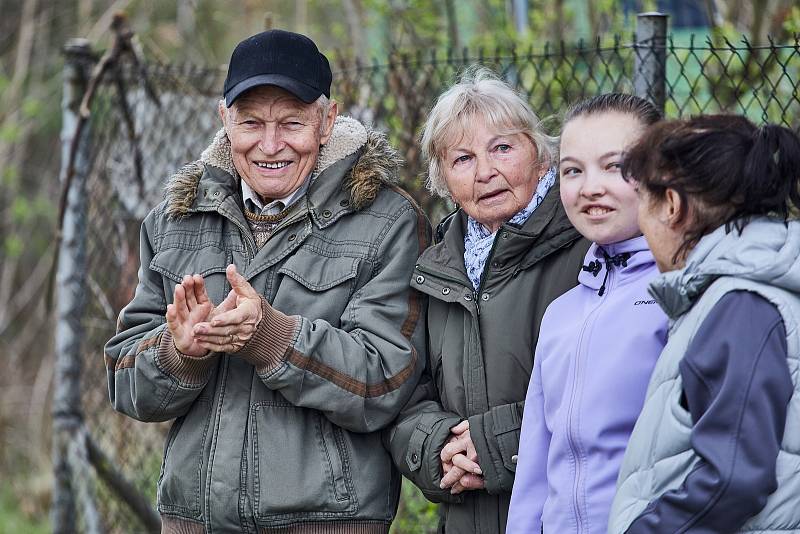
(615, 260)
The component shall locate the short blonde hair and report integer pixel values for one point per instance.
(478, 93)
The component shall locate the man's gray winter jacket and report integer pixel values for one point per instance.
(281, 436)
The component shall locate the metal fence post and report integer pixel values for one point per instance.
(71, 290)
(650, 63)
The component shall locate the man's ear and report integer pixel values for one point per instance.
(333, 112)
(674, 211)
(223, 113)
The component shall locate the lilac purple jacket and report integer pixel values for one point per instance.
(598, 345)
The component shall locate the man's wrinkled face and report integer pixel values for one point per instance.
(275, 139)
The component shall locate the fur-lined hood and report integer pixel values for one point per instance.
(377, 166)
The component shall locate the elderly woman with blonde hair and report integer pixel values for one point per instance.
(500, 258)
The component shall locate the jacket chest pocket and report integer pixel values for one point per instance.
(172, 264)
(316, 286)
(300, 465)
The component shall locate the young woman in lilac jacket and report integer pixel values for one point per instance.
(599, 341)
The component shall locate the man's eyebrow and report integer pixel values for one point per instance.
(246, 113)
(243, 108)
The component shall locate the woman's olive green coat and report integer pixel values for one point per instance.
(481, 346)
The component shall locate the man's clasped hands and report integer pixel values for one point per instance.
(198, 327)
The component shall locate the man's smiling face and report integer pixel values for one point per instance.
(275, 139)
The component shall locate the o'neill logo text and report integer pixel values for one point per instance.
(640, 302)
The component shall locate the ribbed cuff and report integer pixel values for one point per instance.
(267, 349)
(330, 527)
(176, 525)
(187, 369)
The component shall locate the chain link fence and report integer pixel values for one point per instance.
(136, 139)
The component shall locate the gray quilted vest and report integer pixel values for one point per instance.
(764, 259)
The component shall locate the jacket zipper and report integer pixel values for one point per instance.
(571, 438)
(477, 293)
(251, 252)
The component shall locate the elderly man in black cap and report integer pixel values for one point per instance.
(273, 318)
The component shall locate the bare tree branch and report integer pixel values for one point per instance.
(355, 25)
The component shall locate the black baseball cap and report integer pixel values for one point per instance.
(276, 57)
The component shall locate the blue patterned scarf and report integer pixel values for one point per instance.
(478, 239)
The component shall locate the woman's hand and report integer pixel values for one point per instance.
(460, 462)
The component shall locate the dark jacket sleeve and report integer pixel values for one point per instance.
(495, 435)
(737, 389)
(416, 439)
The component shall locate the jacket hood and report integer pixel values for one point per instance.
(766, 251)
(639, 261)
(377, 165)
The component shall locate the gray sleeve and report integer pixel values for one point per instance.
(737, 389)
(148, 379)
(361, 373)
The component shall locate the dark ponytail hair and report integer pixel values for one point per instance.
(640, 108)
(722, 166)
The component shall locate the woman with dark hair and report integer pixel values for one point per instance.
(717, 445)
(599, 341)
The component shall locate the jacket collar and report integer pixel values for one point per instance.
(640, 261)
(766, 251)
(545, 231)
(205, 184)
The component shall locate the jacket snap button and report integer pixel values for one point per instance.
(445, 291)
(514, 459)
(344, 203)
(485, 296)
(467, 297)
(420, 279)
(414, 457)
(504, 235)
(216, 193)
(327, 213)
(292, 237)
